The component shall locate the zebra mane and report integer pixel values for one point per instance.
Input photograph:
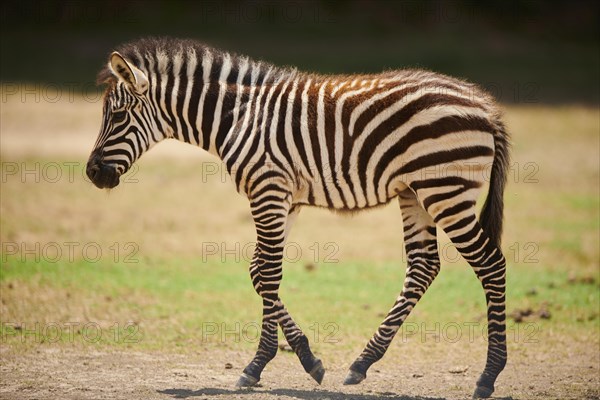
(145, 51)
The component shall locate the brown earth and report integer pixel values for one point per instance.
(48, 372)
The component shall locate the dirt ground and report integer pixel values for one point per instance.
(67, 373)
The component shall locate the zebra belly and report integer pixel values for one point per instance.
(467, 155)
(341, 196)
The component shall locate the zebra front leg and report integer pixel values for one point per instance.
(292, 332)
(423, 266)
(270, 219)
(267, 347)
(273, 222)
(299, 343)
(266, 272)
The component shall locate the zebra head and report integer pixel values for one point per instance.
(129, 123)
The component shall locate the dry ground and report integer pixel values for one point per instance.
(412, 373)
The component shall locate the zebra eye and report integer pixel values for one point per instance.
(119, 116)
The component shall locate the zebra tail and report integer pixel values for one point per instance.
(491, 216)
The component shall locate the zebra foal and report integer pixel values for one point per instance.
(292, 139)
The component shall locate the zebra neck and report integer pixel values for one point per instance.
(214, 95)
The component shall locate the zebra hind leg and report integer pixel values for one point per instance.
(486, 259)
(423, 266)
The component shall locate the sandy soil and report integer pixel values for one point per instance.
(68, 373)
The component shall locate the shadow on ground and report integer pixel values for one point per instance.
(296, 393)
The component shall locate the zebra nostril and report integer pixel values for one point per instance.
(92, 171)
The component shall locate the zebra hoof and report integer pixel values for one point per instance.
(318, 372)
(246, 381)
(483, 392)
(354, 378)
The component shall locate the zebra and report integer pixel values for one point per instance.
(344, 142)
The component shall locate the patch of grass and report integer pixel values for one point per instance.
(181, 303)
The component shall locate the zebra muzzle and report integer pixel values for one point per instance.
(102, 175)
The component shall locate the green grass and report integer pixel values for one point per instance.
(173, 302)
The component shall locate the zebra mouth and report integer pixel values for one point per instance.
(102, 175)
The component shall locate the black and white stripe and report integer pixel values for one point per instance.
(291, 139)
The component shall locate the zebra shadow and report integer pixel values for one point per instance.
(293, 393)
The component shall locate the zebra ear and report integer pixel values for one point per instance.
(128, 73)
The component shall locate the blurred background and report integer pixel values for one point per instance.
(523, 51)
(155, 263)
